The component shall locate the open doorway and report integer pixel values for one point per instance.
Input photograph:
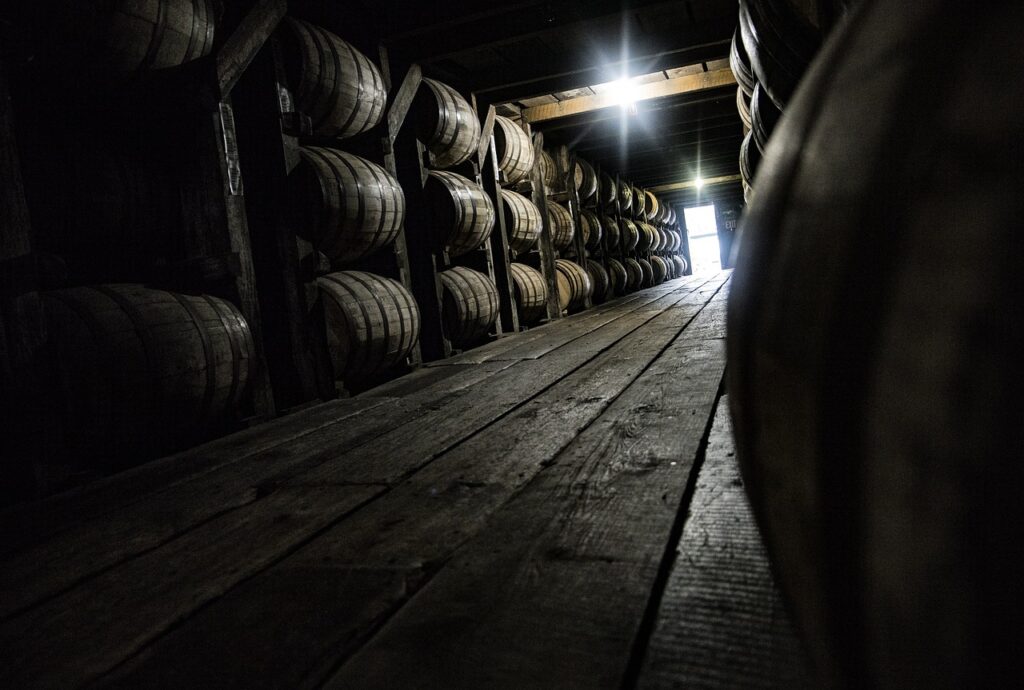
(702, 232)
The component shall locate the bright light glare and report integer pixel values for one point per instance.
(698, 183)
(623, 92)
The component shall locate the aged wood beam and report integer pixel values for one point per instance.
(245, 42)
(678, 186)
(690, 83)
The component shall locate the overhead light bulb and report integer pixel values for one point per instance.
(698, 183)
(623, 92)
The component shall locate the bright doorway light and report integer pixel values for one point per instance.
(702, 232)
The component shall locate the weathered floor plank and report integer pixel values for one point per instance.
(552, 592)
(721, 623)
(386, 550)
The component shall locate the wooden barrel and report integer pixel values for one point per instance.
(548, 169)
(574, 284)
(462, 213)
(670, 218)
(780, 41)
(652, 206)
(531, 292)
(743, 108)
(348, 206)
(139, 36)
(659, 270)
(611, 231)
(561, 226)
(373, 322)
(469, 305)
(625, 197)
(646, 237)
(608, 190)
(634, 274)
(876, 398)
(585, 179)
(140, 371)
(618, 277)
(523, 222)
(591, 229)
(681, 265)
(600, 280)
(739, 62)
(750, 159)
(514, 149)
(447, 124)
(338, 87)
(671, 270)
(648, 273)
(639, 203)
(764, 116)
(629, 234)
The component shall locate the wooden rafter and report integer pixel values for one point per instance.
(679, 186)
(690, 83)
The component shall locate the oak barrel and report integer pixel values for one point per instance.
(531, 292)
(469, 305)
(671, 270)
(876, 396)
(681, 265)
(562, 229)
(618, 277)
(625, 197)
(523, 222)
(139, 36)
(139, 371)
(447, 124)
(462, 213)
(548, 169)
(600, 280)
(609, 190)
(639, 203)
(338, 87)
(611, 231)
(591, 229)
(629, 234)
(652, 206)
(514, 149)
(585, 179)
(634, 274)
(373, 322)
(743, 108)
(780, 41)
(659, 270)
(764, 116)
(348, 206)
(648, 273)
(739, 63)
(574, 284)
(648, 238)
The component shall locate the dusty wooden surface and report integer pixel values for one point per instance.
(509, 519)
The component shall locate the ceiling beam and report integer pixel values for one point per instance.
(691, 184)
(690, 83)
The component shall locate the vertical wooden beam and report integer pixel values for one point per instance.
(216, 225)
(685, 248)
(498, 241)
(544, 246)
(572, 199)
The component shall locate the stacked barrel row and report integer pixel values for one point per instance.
(631, 239)
(771, 48)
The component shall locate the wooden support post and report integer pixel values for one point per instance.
(547, 252)
(298, 358)
(498, 241)
(424, 259)
(245, 42)
(685, 248)
(398, 109)
(216, 225)
(567, 159)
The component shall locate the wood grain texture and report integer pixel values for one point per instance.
(721, 622)
(551, 592)
(380, 556)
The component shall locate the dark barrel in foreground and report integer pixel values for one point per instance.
(875, 350)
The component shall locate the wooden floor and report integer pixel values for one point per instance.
(560, 508)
